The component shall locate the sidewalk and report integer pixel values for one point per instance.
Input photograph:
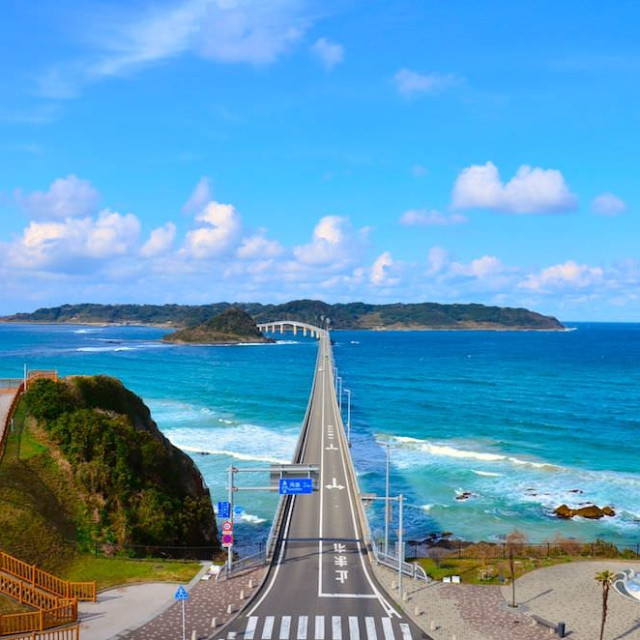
(567, 592)
(150, 611)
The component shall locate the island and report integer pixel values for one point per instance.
(348, 316)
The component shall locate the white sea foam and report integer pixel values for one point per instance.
(487, 474)
(234, 454)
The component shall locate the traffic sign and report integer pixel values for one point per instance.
(224, 509)
(227, 526)
(227, 539)
(181, 594)
(295, 486)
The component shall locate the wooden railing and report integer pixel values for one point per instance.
(47, 582)
(66, 633)
(66, 612)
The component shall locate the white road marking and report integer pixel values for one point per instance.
(335, 485)
(388, 629)
(354, 629)
(371, 628)
(406, 631)
(267, 630)
(285, 627)
(336, 628)
(251, 627)
(319, 635)
(302, 627)
(231, 635)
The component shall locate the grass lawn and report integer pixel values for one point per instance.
(490, 571)
(7, 606)
(111, 572)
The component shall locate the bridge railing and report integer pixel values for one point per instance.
(411, 569)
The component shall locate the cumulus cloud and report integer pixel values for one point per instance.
(219, 230)
(328, 53)
(380, 269)
(68, 197)
(61, 245)
(481, 268)
(160, 241)
(199, 198)
(258, 246)
(410, 83)
(433, 218)
(608, 204)
(568, 275)
(334, 242)
(531, 190)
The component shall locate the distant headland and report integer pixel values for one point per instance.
(343, 316)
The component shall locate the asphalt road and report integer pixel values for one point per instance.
(321, 586)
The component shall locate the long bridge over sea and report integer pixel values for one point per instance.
(320, 584)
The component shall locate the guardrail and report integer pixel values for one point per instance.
(64, 613)
(411, 569)
(30, 575)
(4, 434)
(66, 633)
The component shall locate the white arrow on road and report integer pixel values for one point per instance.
(331, 447)
(335, 486)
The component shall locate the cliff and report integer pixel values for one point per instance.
(135, 487)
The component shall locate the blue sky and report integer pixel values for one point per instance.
(195, 151)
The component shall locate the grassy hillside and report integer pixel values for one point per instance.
(353, 315)
(87, 467)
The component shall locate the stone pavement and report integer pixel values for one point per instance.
(566, 592)
(207, 600)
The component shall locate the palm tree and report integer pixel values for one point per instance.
(605, 578)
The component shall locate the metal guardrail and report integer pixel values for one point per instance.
(411, 569)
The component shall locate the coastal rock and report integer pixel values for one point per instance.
(465, 495)
(592, 512)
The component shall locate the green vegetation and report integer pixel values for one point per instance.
(85, 468)
(353, 315)
(233, 325)
(111, 572)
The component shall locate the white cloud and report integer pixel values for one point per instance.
(568, 275)
(259, 247)
(380, 269)
(334, 243)
(68, 197)
(219, 232)
(437, 259)
(200, 196)
(123, 40)
(608, 204)
(424, 218)
(159, 241)
(62, 245)
(481, 268)
(410, 83)
(328, 53)
(531, 190)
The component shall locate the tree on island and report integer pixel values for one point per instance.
(605, 578)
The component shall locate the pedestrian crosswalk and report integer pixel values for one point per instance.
(319, 628)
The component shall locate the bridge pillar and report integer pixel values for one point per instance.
(295, 330)
(304, 331)
(281, 329)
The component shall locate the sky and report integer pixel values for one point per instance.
(196, 151)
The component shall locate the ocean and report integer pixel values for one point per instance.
(516, 422)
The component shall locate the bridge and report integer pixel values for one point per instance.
(320, 584)
(283, 325)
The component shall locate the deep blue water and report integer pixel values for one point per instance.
(524, 421)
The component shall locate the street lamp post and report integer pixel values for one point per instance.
(339, 379)
(348, 392)
(400, 545)
(387, 504)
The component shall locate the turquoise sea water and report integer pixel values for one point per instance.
(522, 421)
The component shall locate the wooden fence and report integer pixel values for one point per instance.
(66, 633)
(66, 612)
(38, 579)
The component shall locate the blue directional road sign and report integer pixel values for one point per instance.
(295, 486)
(224, 509)
(181, 594)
